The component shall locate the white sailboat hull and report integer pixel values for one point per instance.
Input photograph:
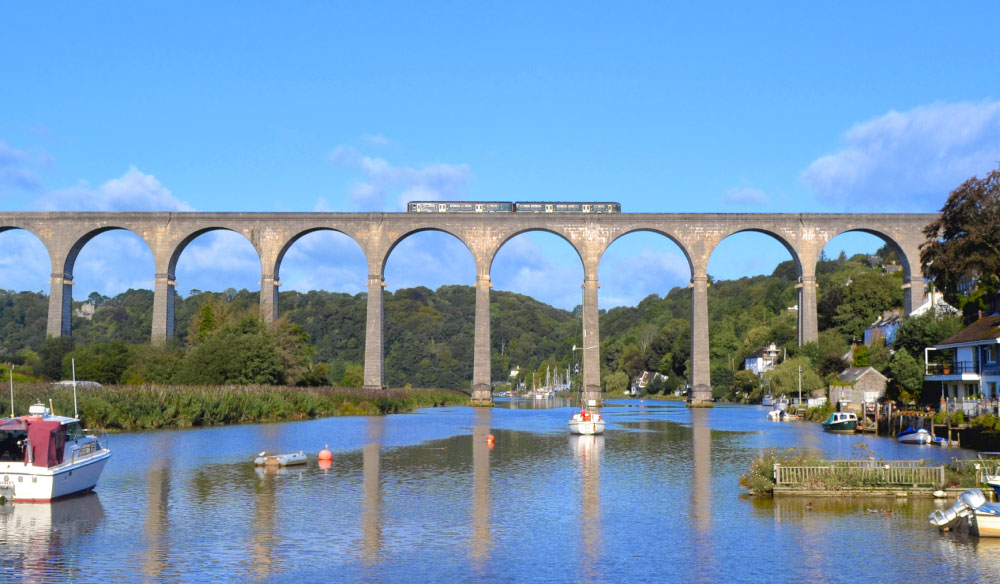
(589, 425)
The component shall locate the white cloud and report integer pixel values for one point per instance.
(24, 262)
(628, 278)
(111, 263)
(218, 260)
(133, 191)
(746, 196)
(324, 260)
(390, 187)
(540, 265)
(909, 161)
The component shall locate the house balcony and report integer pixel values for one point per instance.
(957, 370)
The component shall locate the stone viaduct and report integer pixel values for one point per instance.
(804, 235)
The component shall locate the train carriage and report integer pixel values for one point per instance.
(566, 207)
(505, 207)
(459, 207)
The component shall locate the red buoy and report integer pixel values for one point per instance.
(325, 454)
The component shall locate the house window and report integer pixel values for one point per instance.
(991, 389)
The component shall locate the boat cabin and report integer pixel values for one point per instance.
(39, 439)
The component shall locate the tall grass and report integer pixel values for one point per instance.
(127, 408)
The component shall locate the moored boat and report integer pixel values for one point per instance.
(44, 457)
(264, 459)
(767, 400)
(972, 511)
(911, 436)
(842, 422)
(586, 422)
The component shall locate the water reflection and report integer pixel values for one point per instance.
(701, 493)
(264, 536)
(479, 550)
(587, 455)
(371, 507)
(36, 536)
(157, 523)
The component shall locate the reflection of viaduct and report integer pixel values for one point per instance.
(167, 234)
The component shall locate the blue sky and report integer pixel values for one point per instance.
(764, 107)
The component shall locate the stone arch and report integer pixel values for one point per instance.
(889, 240)
(788, 245)
(181, 245)
(670, 236)
(406, 234)
(77, 246)
(280, 256)
(509, 236)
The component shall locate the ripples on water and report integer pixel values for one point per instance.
(423, 497)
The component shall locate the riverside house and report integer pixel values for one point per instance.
(967, 367)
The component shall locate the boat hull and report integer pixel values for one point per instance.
(586, 428)
(918, 437)
(985, 521)
(30, 484)
(848, 427)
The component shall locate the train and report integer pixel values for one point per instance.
(507, 207)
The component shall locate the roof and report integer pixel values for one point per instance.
(984, 329)
(853, 374)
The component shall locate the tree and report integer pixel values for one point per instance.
(963, 243)
(617, 382)
(51, 355)
(785, 377)
(908, 375)
(918, 332)
(864, 299)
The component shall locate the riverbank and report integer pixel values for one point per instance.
(794, 471)
(147, 407)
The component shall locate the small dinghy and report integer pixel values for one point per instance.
(265, 459)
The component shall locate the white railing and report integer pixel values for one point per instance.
(888, 473)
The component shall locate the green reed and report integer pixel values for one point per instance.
(144, 407)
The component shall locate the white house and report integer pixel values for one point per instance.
(762, 360)
(966, 364)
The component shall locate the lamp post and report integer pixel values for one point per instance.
(800, 387)
(12, 366)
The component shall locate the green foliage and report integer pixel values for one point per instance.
(784, 378)
(926, 330)
(963, 243)
(863, 300)
(51, 354)
(908, 376)
(879, 356)
(354, 376)
(104, 362)
(746, 385)
(616, 382)
(241, 353)
(130, 408)
(860, 356)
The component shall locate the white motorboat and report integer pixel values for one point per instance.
(767, 400)
(970, 511)
(44, 457)
(586, 422)
(911, 436)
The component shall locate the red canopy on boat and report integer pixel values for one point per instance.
(46, 442)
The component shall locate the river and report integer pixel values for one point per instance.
(422, 497)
